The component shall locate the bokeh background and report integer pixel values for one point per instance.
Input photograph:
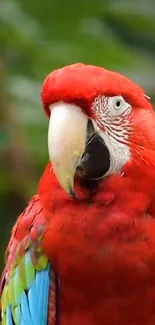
(39, 36)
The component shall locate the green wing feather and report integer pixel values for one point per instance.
(26, 266)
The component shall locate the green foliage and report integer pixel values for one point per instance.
(37, 37)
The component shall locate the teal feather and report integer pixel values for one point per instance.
(9, 320)
(25, 300)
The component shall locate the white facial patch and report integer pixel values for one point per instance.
(111, 116)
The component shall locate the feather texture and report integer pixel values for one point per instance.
(102, 246)
(26, 278)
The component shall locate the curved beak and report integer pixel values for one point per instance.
(66, 142)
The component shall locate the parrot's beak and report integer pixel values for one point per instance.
(74, 146)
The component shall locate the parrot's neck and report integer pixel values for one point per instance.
(102, 249)
(131, 185)
(116, 204)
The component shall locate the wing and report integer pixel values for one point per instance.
(28, 282)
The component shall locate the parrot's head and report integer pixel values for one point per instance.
(100, 124)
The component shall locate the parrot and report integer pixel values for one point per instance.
(83, 250)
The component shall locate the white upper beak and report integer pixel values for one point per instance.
(66, 142)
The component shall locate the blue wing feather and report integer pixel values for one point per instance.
(25, 312)
(25, 285)
(45, 296)
(32, 309)
(34, 305)
(9, 320)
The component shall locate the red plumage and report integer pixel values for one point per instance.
(103, 251)
(102, 247)
(81, 84)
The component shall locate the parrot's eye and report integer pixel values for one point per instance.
(117, 105)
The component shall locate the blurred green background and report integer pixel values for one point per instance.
(39, 36)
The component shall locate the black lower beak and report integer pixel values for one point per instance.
(95, 161)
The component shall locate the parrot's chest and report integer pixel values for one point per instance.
(105, 276)
(107, 288)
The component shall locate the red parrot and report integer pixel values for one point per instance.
(83, 251)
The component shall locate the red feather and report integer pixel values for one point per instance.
(81, 84)
(29, 226)
(103, 249)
